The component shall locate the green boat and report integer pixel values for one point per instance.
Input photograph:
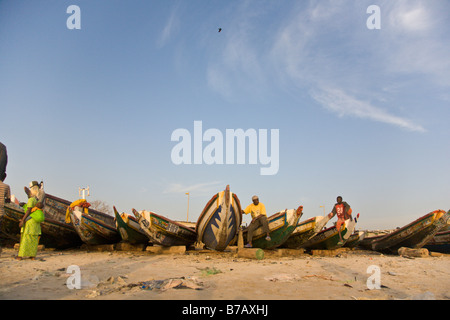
(281, 226)
(129, 228)
(304, 231)
(355, 239)
(163, 231)
(328, 239)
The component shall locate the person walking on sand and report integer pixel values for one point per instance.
(259, 219)
(343, 211)
(31, 225)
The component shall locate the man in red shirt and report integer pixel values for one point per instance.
(343, 211)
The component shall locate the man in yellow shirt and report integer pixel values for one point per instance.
(259, 219)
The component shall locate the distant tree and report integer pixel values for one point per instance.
(101, 206)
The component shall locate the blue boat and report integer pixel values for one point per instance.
(219, 221)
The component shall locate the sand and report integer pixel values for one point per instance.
(208, 275)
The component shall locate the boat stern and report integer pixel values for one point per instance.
(321, 222)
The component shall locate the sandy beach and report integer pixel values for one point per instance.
(210, 275)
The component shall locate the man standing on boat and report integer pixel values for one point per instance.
(259, 219)
(343, 211)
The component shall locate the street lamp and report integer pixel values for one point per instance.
(83, 192)
(187, 218)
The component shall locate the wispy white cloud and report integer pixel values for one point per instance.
(324, 48)
(416, 43)
(409, 16)
(171, 26)
(343, 104)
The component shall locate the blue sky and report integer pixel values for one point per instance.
(361, 113)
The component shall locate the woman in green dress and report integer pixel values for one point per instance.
(31, 227)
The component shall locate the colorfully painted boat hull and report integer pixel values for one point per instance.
(129, 228)
(281, 227)
(440, 242)
(219, 222)
(163, 231)
(355, 239)
(414, 235)
(55, 232)
(329, 239)
(94, 227)
(304, 231)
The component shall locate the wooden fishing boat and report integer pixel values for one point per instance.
(440, 242)
(129, 228)
(93, 227)
(414, 235)
(219, 221)
(163, 231)
(281, 225)
(55, 232)
(355, 239)
(304, 231)
(9, 222)
(329, 239)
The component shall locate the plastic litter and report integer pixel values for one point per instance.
(173, 283)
